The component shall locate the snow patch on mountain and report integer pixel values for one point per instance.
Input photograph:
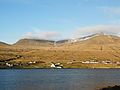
(83, 38)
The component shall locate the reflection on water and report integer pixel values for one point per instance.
(57, 79)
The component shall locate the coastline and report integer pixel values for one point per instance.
(113, 87)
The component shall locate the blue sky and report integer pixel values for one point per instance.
(57, 19)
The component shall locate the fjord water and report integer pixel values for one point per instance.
(57, 79)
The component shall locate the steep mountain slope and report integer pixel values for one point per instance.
(102, 39)
(98, 39)
(34, 42)
(97, 42)
(79, 39)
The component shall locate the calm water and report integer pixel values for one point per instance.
(57, 79)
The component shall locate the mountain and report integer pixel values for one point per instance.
(34, 42)
(96, 39)
(3, 44)
(62, 41)
(99, 38)
(102, 39)
(98, 46)
(76, 39)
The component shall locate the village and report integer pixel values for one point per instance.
(104, 62)
(56, 65)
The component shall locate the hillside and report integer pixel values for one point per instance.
(4, 44)
(34, 42)
(95, 39)
(98, 47)
(102, 39)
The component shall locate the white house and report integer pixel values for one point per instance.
(91, 61)
(53, 65)
(9, 64)
(107, 62)
(32, 62)
(56, 65)
(69, 62)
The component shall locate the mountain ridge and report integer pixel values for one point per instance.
(98, 38)
(34, 42)
(4, 44)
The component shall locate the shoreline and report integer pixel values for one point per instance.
(114, 87)
(59, 68)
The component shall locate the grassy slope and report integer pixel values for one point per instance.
(64, 54)
(97, 48)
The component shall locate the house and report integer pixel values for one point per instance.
(117, 62)
(107, 62)
(85, 62)
(59, 67)
(91, 61)
(9, 64)
(53, 65)
(56, 65)
(69, 62)
(32, 62)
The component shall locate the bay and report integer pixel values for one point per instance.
(58, 79)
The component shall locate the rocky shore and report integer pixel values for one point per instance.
(116, 87)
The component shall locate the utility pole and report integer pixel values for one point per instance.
(101, 48)
(54, 43)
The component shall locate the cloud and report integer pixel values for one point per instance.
(97, 29)
(111, 10)
(52, 35)
(115, 21)
(43, 35)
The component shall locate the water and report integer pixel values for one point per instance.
(57, 79)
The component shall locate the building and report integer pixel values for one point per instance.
(56, 65)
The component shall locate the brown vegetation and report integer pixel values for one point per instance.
(102, 47)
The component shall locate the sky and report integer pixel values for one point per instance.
(57, 19)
